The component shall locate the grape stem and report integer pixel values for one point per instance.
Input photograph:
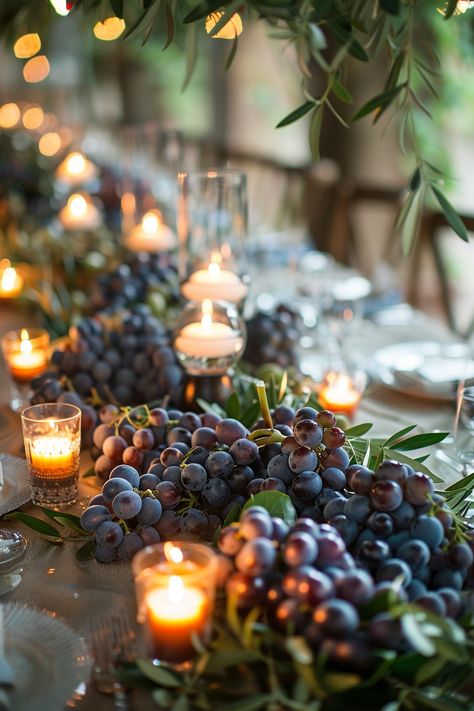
(263, 402)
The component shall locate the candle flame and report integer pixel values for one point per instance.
(8, 279)
(172, 552)
(339, 381)
(214, 271)
(75, 163)
(77, 205)
(176, 590)
(25, 343)
(206, 319)
(151, 222)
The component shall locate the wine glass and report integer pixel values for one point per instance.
(12, 549)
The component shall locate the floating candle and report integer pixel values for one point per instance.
(151, 234)
(80, 213)
(26, 358)
(11, 283)
(214, 283)
(340, 394)
(76, 169)
(207, 338)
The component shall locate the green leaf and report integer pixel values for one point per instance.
(345, 37)
(315, 132)
(232, 53)
(137, 27)
(411, 221)
(395, 70)
(233, 515)
(418, 466)
(339, 682)
(359, 430)
(422, 440)
(36, 524)
(379, 102)
(341, 92)
(191, 54)
(250, 415)
(252, 703)
(88, 473)
(464, 483)
(232, 406)
(86, 551)
(276, 503)
(169, 26)
(117, 7)
(415, 180)
(68, 520)
(415, 635)
(450, 8)
(452, 218)
(429, 670)
(393, 438)
(182, 704)
(390, 6)
(211, 407)
(159, 675)
(202, 10)
(296, 114)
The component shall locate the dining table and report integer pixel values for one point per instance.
(87, 592)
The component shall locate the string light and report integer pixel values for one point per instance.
(27, 46)
(109, 29)
(49, 144)
(9, 115)
(232, 28)
(36, 69)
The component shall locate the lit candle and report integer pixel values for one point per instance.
(76, 169)
(53, 455)
(207, 338)
(214, 283)
(11, 283)
(151, 234)
(26, 358)
(339, 394)
(80, 213)
(173, 615)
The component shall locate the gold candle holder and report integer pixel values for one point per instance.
(52, 437)
(175, 588)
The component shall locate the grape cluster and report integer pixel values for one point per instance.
(126, 363)
(273, 337)
(134, 281)
(311, 585)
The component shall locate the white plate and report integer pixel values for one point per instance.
(16, 487)
(423, 369)
(49, 660)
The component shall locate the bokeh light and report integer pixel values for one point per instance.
(33, 117)
(50, 143)
(36, 69)
(232, 29)
(109, 29)
(27, 46)
(60, 6)
(9, 115)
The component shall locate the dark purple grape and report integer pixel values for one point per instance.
(101, 433)
(126, 430)
(216, 493)
(404, 516)
(447, 578)
(178, 434)
(360, 479)
(358, 508)
(114, 447)
(461, 556)
(418, 488)
(334, 478)
(278, 467)
(345, 526)
(429, 530)
(107, 413)
(193, 477)
(127, 504)
(229, 541)
(283, 415)
(158, 417)
(256, 557)
(393, 471)
(394, 569)
(219, 464)
(105, 553)
(272, 483)
(150, 512)
(302, 459)
(239, 479)
(243, 451)
(171, 457)
(131, 544)
(373, 553)
(414, 552)
(204, 437)
(335, 507)
(300, 549)
(133, 457)
(168, 525)
(103, 466)
(326, 418)
(149, 535)
(124, 471)
(288, 445)
(415, 589)
(230, 430)
(194, 522)
(356, 587)
(307, 525)
(336, 618)
(333, 437)
(280, 529)
(210, 419)
(190, 421)
(254, 486)
(386, 495)
(93, 516)
(307, 485)
(167, 494)
(255, 524)
(335, 458)
(307, 433)
(380, 523)
(305, 413)
(143, 439)
(148, 481)
(452, 600)
(386, 632)
(246, 590)
(114, 486)
(331, 549)
(433, 602)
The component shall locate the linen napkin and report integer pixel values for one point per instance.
(6, 672)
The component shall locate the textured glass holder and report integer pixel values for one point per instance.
(52, 437)
(26, 354)
(209, 337)
(464, 430)
(175, 585)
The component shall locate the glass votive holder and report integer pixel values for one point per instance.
(26, 354)
(464, 430)
(52, 437)
(341, 391)
(175, 586)
(209, 337)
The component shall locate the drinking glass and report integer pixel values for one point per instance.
(52, 437)
(464, 430)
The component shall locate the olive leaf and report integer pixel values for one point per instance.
(296, 114)
(275, 502)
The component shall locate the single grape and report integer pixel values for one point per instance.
(149, 535)
(126, 430)
(308, 433)
(373, 553)
(415, 589)
(93, 516)
(345, 526)
(393, 471)
(414, 552)
(246, 590)
(105, 553)
(98, 500)
(115, 486)
(178, 434)
(358, 508)
(108, 533)
(239, 479)
(302, 459)
(255, 524)
(307, 485)
(418, 488)
(127, 504)
(256, 557)
(432, 602)
(452, 600)
(203, 437)
(335, 458)
(360, 479)
(380, 523)
(394, 568)
(288, 445)
(333, 437)
(404, 516)
(210, 419)
(243, 451)
(149, 481)
(194, 522)
(386, 495)
(168, 494)
(156, 468)
(254, 486)
(300, 549)
(326, 418)
(428, 529)
(131, 544)
(114, 447)
(190, 421)
(355, 586)
(216, 493)
(336, 618)
(229, 541)
(123, 471)
(143, 439)
(272, 483)
(133, 457)
(158, 417)
(193, 477)
(461, 556)
(230, 430)
(150, 512)
(334, 478)
(173, 474)
(278, 467)
(280, 529)
(331, 548)
(171, 457)
(219, 464)
(168, 525)
(447, 578)
(103, 466)
(386, 632)
(305, 413)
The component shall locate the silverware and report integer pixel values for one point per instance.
(113, 642)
